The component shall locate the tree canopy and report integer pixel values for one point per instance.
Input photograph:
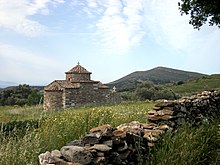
(20, 95)
(201, 11)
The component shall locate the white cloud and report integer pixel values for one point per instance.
(15, 15)
(23, 65)
(166, 25)
(117, 23)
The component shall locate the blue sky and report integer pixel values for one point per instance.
(42, 39)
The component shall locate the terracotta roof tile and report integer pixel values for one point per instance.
(59, 85)
(78, 69)
(67, 84)
(100, 85)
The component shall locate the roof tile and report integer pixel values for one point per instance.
(78, 69)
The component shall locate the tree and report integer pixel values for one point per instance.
(201, 11)
(34, 97)
(20, 95)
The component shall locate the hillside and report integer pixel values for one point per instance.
(195, 86)
(158, 75)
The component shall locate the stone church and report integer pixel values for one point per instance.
(77, 90)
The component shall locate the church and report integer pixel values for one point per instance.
(77, 90)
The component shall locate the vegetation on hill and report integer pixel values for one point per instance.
(159, 75)
(211, 82)
(20, 95)
(147, 90)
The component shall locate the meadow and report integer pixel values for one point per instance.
(58, 128)
(22, 140)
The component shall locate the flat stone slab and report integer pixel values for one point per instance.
(76, 154)
(101, 147)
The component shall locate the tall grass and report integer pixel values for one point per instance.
(188, 145)
(16, 113)
(57, 129)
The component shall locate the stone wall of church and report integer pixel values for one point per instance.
(53, 100)
(78, 77)
(87, 95)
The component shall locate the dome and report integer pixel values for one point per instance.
(78, 69)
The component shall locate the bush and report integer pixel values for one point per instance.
(154, 93)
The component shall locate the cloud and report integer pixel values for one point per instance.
(167, 27)
(117, 23)
(15, 15)
(122, 25)
(23, 65)
(164, 23)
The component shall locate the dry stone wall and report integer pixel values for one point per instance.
(105, 145)
(198, 108)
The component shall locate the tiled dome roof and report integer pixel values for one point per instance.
(78, 69)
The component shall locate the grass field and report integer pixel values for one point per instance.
(58, 128)
(16, 113)
(186, 146)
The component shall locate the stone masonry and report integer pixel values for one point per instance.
(77, 90)
(105, 145)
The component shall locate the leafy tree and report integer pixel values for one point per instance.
(19, 95)
(128, 96)
(34, 97)
(145, 84)
(145, 93)
(147, 90)
(201, 11)
(164, 94)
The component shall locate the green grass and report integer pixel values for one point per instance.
(16, 113)
(58, 128)
(196, 86)
(187, 146)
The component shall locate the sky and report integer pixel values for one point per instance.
(42, 39)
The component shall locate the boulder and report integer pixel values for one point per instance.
(76, 154)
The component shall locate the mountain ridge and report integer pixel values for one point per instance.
(5, 84)
(158, 75)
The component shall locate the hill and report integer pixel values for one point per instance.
(4, 84)
(190, 87)
(158, 75)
